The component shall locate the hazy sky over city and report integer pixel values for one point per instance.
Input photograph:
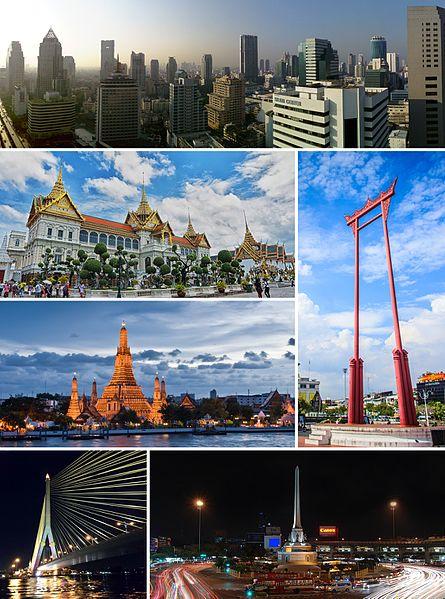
(333, 184)
(197, 346)
(187, 29)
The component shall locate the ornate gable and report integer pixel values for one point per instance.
(196, 239)
(144, 218)
(57, 203)
(249, 247)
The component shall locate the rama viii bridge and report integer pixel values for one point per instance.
(94, 512)
(407, 410)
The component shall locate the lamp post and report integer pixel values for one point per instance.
(393, 506)
(199, 504)
(424, 394)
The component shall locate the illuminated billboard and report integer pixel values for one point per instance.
(328, 532)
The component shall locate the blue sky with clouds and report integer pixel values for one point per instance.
(216, 187)
(332, 185)
(197, 346)
(189, 29)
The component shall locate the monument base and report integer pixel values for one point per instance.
(369, 435)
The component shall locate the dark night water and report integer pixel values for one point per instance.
(258, 440)
(80, 587)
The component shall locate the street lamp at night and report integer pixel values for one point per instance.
(393, 506)
(199, 504)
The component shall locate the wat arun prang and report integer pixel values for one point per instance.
(121, 393)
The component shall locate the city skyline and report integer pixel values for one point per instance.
(138, 29)
(248, 346)
(333, 185)
(215, 188)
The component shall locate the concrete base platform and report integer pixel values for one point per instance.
(369, 435)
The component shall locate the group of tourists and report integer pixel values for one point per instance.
(46, 289)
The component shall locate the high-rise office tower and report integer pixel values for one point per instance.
(69, 67)
(137, 69)
(118, 110)
(15, 66)
(392, 59)
(226, 71)
(50, 66)
(295, 65)
(318, 61)
(187, 114)
(249, 57)
(280, 71)
(171, 68)
(426, 93)
(360, 59)
(378, 47)
(154, 69)
(107, 60)
(267, 64)
(206, 70)
(351, 64)
(261, 66)
(226, 103)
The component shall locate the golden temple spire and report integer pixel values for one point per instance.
(58, 188)
(190, 229)
(123, 337)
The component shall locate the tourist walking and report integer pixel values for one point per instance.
(266, 288)
(258, 287)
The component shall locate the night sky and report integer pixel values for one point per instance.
(23, 489)
(344, 488)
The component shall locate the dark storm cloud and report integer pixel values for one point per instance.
(148, 354)
(246, 365)
(216, 366)
(208, 358)
(254, 357)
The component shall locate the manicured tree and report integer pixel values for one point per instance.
(106, 270)
(184, 264)
(91, 271)
(47, 264)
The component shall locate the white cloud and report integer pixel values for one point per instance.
(112, 192)
(327, 341)
(133, 166)
(272, 173)
(11, 214)
(16, 168)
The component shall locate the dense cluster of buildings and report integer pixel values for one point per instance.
(307, 99)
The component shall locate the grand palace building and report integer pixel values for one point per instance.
(55, 222)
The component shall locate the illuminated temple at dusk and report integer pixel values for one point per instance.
(121, 393)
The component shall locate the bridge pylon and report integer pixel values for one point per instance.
(44, 533)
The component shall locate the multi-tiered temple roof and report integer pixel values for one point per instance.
(123, 391)
(251, 249)
(59, 203)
